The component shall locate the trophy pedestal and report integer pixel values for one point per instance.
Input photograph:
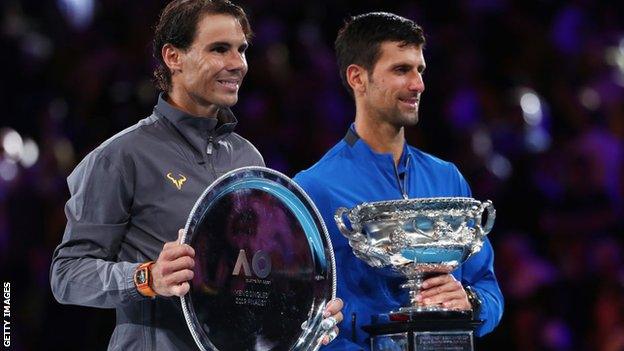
(427, 333)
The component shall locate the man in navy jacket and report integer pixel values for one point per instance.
(380, 57)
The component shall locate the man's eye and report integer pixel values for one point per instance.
(402, 70)
(220, 49)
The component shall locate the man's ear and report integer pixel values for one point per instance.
(172, 57)
(357, 77)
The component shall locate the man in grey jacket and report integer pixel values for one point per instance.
(130, 195)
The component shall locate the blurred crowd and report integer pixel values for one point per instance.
(526, 97)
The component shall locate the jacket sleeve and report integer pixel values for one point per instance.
(84, 267)
(478, 272)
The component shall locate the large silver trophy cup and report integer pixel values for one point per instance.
(416, 238)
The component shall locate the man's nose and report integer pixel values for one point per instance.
(417, 83)
(236, 62)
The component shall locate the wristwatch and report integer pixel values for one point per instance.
(143, 279)
(474, 300)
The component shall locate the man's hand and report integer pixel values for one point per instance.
(332, 316)
(173, 268)
(444, 290)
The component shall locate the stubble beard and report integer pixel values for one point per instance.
(401, 118)
(219, 100)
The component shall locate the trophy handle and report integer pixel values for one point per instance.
(489, 223)
(339, 218)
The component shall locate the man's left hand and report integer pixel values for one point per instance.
(333, 317)
(444, 290)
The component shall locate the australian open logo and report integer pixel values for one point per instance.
(260, 264)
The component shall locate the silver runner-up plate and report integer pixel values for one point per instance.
(264, 265)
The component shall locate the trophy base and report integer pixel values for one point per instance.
(437, 334)
(405, 314)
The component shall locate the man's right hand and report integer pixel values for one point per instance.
(173, 268)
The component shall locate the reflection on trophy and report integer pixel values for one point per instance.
(417, 239)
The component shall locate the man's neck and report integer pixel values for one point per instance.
(186, 103)
(382, 137)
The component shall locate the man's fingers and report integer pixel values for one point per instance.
(452, 285)
(179, 277)
(443, 297)
(329, 337)
(166, 278)
(173, 267)
(169, 245)
(338, 316)
(457, 304)
(333, 307)
(438, 280)
(329, 323)
(174, 252)
(180, 263)
(180, 289)
(178, 241)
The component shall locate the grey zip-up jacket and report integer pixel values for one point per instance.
(128, 197)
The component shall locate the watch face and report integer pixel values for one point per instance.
(141, 276)
(264, 266)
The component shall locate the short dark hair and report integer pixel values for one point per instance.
(359, 39)
(177, 26)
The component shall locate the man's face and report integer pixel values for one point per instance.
(212, 69)
(395, 84)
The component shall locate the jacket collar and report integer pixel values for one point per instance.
(196, 129)
(383, 160)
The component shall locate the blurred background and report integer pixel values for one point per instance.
(526, 97)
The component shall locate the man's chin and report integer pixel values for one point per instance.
(228, 102)
(409, 120)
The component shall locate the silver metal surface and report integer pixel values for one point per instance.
(264, 267)
(416, 238)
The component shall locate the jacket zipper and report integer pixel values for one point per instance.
(209, 150)
(209, 147)
(402, 186)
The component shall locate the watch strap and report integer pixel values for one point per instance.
(475, 301)
(145, 287)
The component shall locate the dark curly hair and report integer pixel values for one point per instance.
(361, 36)
(177, 26)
